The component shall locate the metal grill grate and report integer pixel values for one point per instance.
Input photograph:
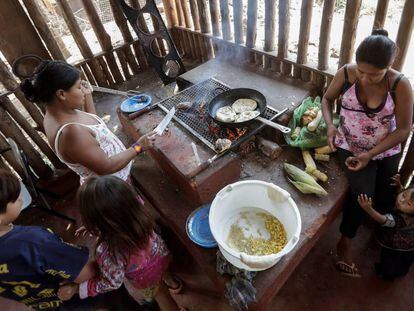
(196, 119)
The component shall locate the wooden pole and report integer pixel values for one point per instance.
(203, 13)
(81, 41)
(195, 15)
(380, 14)
(103, 37)
(10, 129)
(405, 31)
(215, 17)
(270, 31)
(180, 13)
(186, 11)
(238, 21)
(305, 23)
(325, 34)
(7, 79)
(88, 74)
(8, 156)
(284, 24)
(225, 20)
(171, 13)
(7, 105)
(349, 32)
(251, 23)
(408, 164)
(39, 21)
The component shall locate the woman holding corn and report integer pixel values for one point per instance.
(375, 118)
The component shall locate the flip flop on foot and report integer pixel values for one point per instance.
(346, 269)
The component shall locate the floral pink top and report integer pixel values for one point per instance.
(361, 129)
(143, 269)
(108, 142)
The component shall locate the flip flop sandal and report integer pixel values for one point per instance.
(177, 289)
(347, 269)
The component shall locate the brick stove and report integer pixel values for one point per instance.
(173, 151)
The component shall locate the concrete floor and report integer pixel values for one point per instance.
(315, 285)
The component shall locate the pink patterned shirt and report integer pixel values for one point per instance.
(361, 129)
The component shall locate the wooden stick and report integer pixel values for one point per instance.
(195, 15)
(380, 14)
(238, 21)
(193, 55)
(9, 129)
(41, 25)
(203, 14)
(104, 39)
(251, 23)
(7, 105)
(124, 64)
(8, 156)
(187, 15)
(171, 13)
(139, 51)
(88, 74)
(405, 31)
(284, 24)
(408, 164)
(305, 22)
(106, 70)
(215, 17)
(270, 31)
(7, 79)
(81, 41)
(198, 48)
(225, 20)
(349, 32)
(325, 34)
(180, 13)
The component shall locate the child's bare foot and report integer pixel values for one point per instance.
(173, 282)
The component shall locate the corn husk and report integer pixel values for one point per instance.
(310, 164)
(303, 181)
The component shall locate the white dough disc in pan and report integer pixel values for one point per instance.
(247, 115)
(244, 104)
(225, 114)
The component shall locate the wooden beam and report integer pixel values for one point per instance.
(195, 15)
(349, 31)
(270, 31)
(170, 12)
(251, 23)
(238, 21)
(380, 14)
(405, 31)
(325, 34)
(81, 41)
(225, 20)
(284, 24)
(203, 14)
(39, 21)
(180, 13)
(215, 17)
(187, 15)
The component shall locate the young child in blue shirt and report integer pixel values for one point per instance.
(33, 260)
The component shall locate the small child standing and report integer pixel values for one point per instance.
(33, 260)
(396, 234)
(128, 250)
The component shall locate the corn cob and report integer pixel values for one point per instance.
(303, 181)
(310, 164)
(315, 122)
(319, 175)
(322, 157)
(323, 150)
(295, 133)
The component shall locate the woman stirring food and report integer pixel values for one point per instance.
(375, 118)
(80, 139)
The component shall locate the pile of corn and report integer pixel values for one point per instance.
(259, 246)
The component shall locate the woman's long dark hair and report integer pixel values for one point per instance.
(111, 211)
(377, 49)
(47, 78)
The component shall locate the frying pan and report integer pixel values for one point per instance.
(227, 98)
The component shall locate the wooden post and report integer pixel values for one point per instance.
(349, 32)
(405, 31)
(325, 34)
(8, 156)
(195, 15)
(122, 24)
(124, 64)
(103, 38)
(270, 8)
(380, 14)
(251, 23)
(186, 11)
(225, 20)
(88, 74)
(7, 105)
(284, 24)
(203, 13)
(305, 22)
(170, 12)
(7, 79)
(39, 21)
(10, 129)
(215, 17)
(180, 13)
(238, 21)
(408, 164)
(81, 41)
